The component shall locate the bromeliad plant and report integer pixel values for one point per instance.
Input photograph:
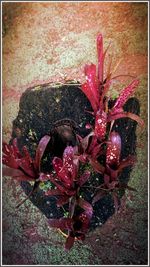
(100, 150)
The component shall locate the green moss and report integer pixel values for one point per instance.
(53, 254)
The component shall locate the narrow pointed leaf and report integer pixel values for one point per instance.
(53, 192)
(87, 91)
(100, 57)
(83, 178)
(99, 195)
(72, 205)
(63, 223)
(129, 161)
(130, 115)
(16, 174)
(62, 201)
(90, 72)
(97, 166)
(69, 242)
(86, 206)
(40, 150)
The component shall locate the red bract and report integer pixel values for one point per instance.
(26, 169)
(96, 89)
(77, 227)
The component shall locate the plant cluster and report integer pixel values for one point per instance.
(100, 149)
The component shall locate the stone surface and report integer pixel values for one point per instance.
(50, 42)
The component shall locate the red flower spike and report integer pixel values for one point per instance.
(113, 149)
(100, 125)
(68, 163)
(125, 94)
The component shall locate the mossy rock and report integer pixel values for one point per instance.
(39, 109)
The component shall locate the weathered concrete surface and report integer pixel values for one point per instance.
(47, 42)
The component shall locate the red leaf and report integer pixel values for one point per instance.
(27, 167)
(100, 57)
(63, 223)
(85, 141)
(87, 91)
(132, 116)
(125, 94)
(15, 149)
(129, 161)
(53, 192)
(62, 201)
(61, 171)
(97, 166)
(69, 242)
(83, 178)
(86, 206)
(90, 72)
(106, 179)
(72, 204)
(9, 156)
(16, 174)
(40, 150)
(100, 194)
(113, 149)
(69, 192)
(10, 161)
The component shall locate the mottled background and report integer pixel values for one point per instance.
(49, 42)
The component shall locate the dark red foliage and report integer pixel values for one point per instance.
(77, 227)
(113, 169)
(101, 149)
(66, 180)
(96, 88)
(26, 169)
